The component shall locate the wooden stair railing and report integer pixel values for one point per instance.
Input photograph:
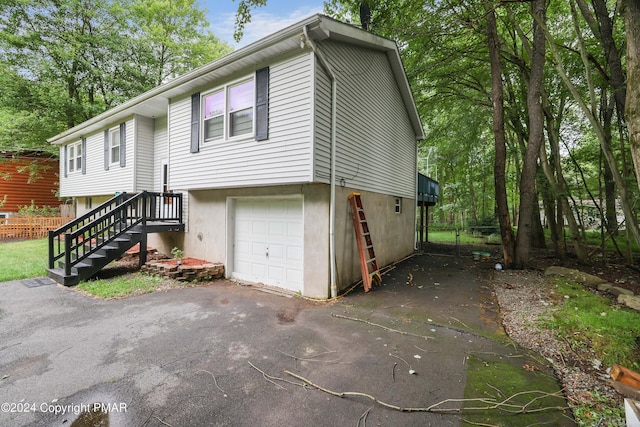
(85, 245)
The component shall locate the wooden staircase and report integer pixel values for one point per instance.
(84, 246)
(368, 262)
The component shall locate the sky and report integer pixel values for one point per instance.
(277, 14)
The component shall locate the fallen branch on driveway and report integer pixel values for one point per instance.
(503, 405)
(270, 378)
(381, 326)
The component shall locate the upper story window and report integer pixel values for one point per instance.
(115, 146)
(240, 109)
(228, 112)
(214, 116)
(241, 100)
(74, 158)
(114, 141)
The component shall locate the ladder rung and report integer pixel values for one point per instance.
(371, 260)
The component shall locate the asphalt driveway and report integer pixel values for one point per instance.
(217, 354)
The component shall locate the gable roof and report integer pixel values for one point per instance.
(154, 102)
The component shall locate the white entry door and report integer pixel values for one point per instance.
(268, 242)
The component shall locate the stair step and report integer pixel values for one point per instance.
(58, 275)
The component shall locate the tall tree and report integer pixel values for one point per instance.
(528, 199)
(78, 58)
(631, 12)
(445, 52)
(497, 97)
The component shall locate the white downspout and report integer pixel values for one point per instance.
(332, 184)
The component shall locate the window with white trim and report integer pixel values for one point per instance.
(114, 146)
(236, 110)
(229, 111)
(214, 116)
(74, 153)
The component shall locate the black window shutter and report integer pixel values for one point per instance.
(195, 122)
(84, 156)
(262, 104)
(106, 150)
(123, 144)
(66, 159)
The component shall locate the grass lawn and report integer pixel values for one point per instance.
(24, 259)
(128, 285)
(29, 258)
(448, 236)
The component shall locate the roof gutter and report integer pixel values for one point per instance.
(332, 200)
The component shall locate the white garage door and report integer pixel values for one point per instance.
(269, 242)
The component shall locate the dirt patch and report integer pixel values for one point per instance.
(286, 317)
(186, 262)
(613, 269)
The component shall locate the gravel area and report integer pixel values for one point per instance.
(524, 298)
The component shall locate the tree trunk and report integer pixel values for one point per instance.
(499, 167)
(536, 134)
(538, 239)
(537, 231)
(631, 12)
(550, 207)
(559, 187)
(602, 28)
(609, 185)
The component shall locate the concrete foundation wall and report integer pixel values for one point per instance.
(82, 205)
(209, 220)
(392, 233)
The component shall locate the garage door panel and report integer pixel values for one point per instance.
(243, 227)
(277, 229)
(258, 250)
(259, 228)
(243, 247)
(258, 270)
(295, 230)
(277, 276)
(294, 253)
(243, 267)
(277, 252)
(294, 277)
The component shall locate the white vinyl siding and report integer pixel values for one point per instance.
(376, 143)
(160, 151)
(322, 135)
(144, 158)
(285, 157)
(98, 181)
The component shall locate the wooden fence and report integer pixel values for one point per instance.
(29, 228)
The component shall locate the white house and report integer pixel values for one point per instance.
(265, 145)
